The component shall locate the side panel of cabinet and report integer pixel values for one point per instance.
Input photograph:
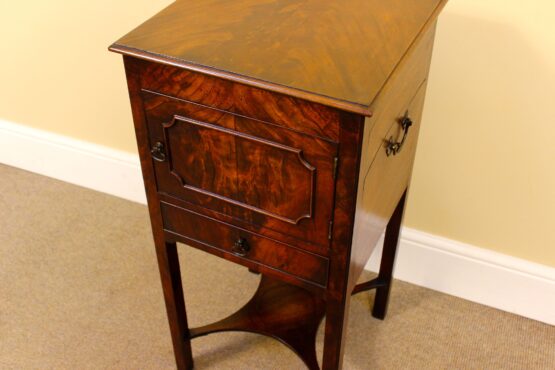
(383, 179)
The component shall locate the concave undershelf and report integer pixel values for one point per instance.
(282, 311)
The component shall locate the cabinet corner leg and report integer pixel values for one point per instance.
(385, 275)
(337, 314)
(170, 274)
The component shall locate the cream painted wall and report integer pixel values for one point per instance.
(56, 73)
(485, 167)
(484, 172)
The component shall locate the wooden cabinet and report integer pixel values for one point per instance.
(280, 136)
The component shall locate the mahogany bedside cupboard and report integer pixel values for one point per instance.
(280, 135)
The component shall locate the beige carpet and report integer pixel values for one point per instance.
(79, 289)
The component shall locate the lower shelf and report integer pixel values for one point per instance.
(285, 312)
(282, 311)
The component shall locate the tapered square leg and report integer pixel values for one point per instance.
(385, 275)
(337, 314)
(170, 275)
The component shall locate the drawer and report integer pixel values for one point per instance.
(242, 246)
(264, 176)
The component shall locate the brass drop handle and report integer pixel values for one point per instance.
(241, 247)
(158, 152)
(394, 147)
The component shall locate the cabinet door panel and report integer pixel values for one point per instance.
(254, 171)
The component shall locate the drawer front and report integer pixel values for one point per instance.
(243, 246)
(260, 174)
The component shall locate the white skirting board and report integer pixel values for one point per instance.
(77, 162)
(476, 274)
(461, 270)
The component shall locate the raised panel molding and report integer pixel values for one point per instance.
(296, 152)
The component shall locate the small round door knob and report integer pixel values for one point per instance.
(158, 152)
(241, 247)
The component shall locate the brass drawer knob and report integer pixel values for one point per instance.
(394, 147)
(241, 247)
(158, 152)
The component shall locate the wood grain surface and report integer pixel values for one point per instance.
(256, 172)
(336, 52)
(209, 234)
(381, 187)
(166, 252)
(395, 99)
(289, 314)
(279, 109)
(261, 175)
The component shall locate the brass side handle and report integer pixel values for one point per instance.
(394, 147)
(158, 152)
(241, 247)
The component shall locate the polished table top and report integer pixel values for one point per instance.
(335, 52)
